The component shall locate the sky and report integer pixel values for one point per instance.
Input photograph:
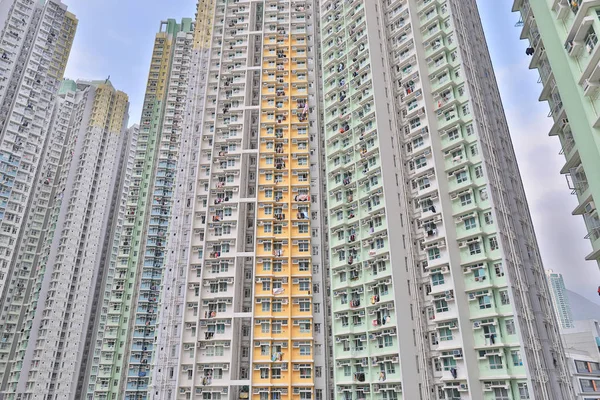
(114, 38)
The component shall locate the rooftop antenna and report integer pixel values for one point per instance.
(107, 79)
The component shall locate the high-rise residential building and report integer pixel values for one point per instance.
(560, 299)
(438, 289)
(62, 252)
(563, 37)
(321, 202)
(255, 278)
(35, 42)
(124, 356)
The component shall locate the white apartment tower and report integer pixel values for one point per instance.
(254, 287)
(54, 280)
(560, 299)
(35, 42)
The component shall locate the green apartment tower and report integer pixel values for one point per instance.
(563, 37)
(437, 286)
(124, 344)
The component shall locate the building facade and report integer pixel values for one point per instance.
(51, 303)
(35, 42)
(560, 299)
(437, 286)
(563, 36)
(585, 373)
(582, 343)
(254, 310)
(321, 202)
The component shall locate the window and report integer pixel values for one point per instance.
(388, 341)
(437, 279)
(453, 135)
(591, 40)
(303, 247)
(266, 305)
(303, 266)
(304, 305)
(276, 373)
(433, 254)
(500, 393)
(305, 350)
(474, 248)
(523, 391)
(504, 297)
(470, 223)
(265, 350)
(466, 110)
(445, 334)
(483, 194)
(488, 218)
(441, 305)
(485, 302)
(474, 150)
(266, 286)
(510, 327)
(305, 372)
(461, 176)
(495, 363)
(515, 356)
(587, 367)
(493, 243)
(347, 370)
(276, 327)
(478, 171)
(589, 385)
(465, 199)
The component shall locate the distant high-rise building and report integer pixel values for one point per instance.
(560, 299)
(35, 42)
(563, 37)
(66, 242)
(125, 351)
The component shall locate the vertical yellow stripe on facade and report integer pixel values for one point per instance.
(64, 43)
(118, 113)
(102, 105)
(161, 54)
(203, 28)
(283, 330)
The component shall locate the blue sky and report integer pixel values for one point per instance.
(115, 38)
